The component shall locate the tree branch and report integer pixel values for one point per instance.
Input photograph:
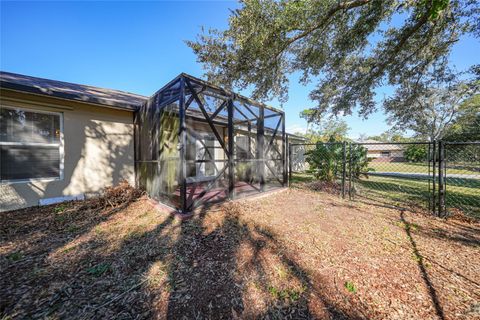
(332, 11)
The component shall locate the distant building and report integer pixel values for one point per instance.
(380, 152)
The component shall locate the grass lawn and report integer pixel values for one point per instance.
(296, 254)
(462, 195)
(416, 168)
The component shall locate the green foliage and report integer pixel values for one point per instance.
(467, 126)
(435, 7)
(389, 136)
(60, 208)
(349, 48)
(326, 160)
(15, 256)
(284, 294)
(415, 153)
(244, 172)
(99, 269)
(359, 160)
(326, 129)
(439, 103)
(350, 287)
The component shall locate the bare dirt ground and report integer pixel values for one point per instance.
(296, 254)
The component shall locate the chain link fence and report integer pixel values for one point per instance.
(461, 174)
(325, 163)
(439, 177)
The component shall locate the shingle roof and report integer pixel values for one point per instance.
(72, 91)
(374, 145)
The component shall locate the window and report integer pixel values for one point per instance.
(385, 154)
(30, 144)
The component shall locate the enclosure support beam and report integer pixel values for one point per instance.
(272, 139)
(209, 121)
(344, 170)
(250, 153)
(219, 109)
(255, 119)
(260, 149)
(230, 135)
(284, 152)
(183, 146)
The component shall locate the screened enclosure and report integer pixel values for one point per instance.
(196, 144)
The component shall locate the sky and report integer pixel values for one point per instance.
(139, 46)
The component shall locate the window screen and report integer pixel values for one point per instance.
(29, 144)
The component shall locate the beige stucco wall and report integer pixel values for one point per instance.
(98, 151)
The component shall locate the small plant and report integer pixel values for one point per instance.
(135, 234)
(72, 228)
(285, 294)
(69, 249)
(60, 208)
(15, 256)
(99, 230)
(99, 269)
(350, 287)
(282, 272)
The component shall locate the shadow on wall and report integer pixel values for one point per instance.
(98, 154)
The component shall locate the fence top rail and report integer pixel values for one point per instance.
(389, 143)
(462, 142)
(314, 144)
(360, 143)
(386, 143)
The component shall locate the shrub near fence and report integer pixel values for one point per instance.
(440, 177)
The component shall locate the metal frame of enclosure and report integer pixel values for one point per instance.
(196, 143)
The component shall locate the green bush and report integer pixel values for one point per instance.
(359, 160)
(245, 172)
(326, 160)
(415, 153)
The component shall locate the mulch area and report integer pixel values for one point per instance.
(297, 254)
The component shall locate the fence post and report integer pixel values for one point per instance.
(231, 147)
(183, 146)
(284, 152)
(441, 178)
(344, 165)
(289, 146)
(350, 195)
(434, 177)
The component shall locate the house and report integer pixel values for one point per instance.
(189, 144)
(383, 152)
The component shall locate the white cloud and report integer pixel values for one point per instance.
(293, 128)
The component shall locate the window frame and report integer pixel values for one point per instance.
(385, 154)
(60, 146)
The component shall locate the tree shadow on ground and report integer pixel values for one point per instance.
(423, 270)
(138, 263)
